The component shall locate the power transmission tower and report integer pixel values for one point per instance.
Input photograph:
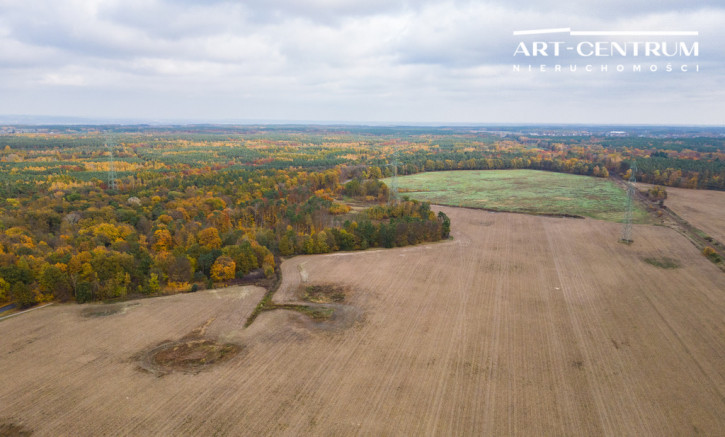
(393, 191)
(627, 230)
(111, 167)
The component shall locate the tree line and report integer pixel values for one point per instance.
(183, 232)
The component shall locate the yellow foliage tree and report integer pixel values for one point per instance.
(337, 208)
(165, 219)
(162, 240)
(110, 231)
(223, 269)
(4, 289)
(209, 238)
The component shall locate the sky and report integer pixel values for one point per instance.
(354, 61)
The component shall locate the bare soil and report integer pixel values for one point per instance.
(519, 325)
(322, 293)
(704, 209)
(11, 429)
(104, 310)
(191, 354)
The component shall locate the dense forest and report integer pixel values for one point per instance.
(98, 213)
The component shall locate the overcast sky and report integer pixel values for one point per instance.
(349, 61)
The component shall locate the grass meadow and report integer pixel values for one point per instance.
(524, 191)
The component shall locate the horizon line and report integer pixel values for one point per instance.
(348, 123)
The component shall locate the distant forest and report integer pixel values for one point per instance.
(106, 212)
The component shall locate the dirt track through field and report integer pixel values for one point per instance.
(520, 325)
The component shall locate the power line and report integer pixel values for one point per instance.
(627, 229)
(111, 167)
(393, 189)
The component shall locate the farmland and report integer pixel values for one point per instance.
(703, 209)
(519, 325)
(527, 191)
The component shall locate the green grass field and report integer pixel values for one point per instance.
(526, 191)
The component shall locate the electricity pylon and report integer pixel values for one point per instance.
(393, 190)
(111, 167)
(627, 229)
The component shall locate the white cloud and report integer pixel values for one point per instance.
(323, 59)
(63, 79)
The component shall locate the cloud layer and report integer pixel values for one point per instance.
(357, 60)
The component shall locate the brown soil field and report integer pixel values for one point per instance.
(519, 325)
(704, 209)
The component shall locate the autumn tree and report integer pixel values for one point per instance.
(321, 245)
(179, 269)
(4, 290)
(223, 269)
(162, 240)
(268, 265)
(152, 286)
(286, 245)
(445, 224)
(243, 256)
(657, 193)
(22, 295)
(54, 280)
(209, 238)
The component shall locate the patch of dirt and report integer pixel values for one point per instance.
(317, 313)
(104, 310)
(191, 354)
(663, 262)
(303, 273)
(324, 300)
(619, 344)
(11, 429)
(322, 293)
(328, 317)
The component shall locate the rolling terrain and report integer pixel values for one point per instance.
(519, 325)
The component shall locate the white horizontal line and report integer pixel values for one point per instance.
(542, 31)
(634, 33)
(609, 32)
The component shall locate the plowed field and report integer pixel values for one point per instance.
(520, 325)
(703, 209)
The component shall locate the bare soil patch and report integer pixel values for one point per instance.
(191, 354)
(316, 313)
(105, 310)
(11, 429)
(330, 318)
(323, 306)
(322, 293)
(662, 262)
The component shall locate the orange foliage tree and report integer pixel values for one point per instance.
(223, 269)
